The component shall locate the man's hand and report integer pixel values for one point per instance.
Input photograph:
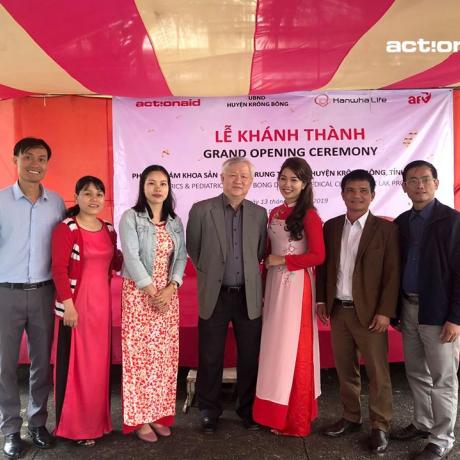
(379, 323)
(70, 313)
(273, 261)
(449, 332)
(321, 312)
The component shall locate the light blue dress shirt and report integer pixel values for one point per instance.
(25, 234)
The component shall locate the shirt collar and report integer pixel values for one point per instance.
(226, 202)
(361, 220)
(425, 213)
(18, 193)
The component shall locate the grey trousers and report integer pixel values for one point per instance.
(31, 311)
(431, 369)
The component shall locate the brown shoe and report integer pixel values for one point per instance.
(378, 441)
(341, 427)
(409, 433)
(433, 452)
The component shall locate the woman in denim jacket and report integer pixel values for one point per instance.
(152, 239)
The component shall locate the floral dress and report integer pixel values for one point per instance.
(150, 346)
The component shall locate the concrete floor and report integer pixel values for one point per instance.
(232, 441)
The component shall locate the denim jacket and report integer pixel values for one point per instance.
(138, 242)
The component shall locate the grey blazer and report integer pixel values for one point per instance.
(206, 247)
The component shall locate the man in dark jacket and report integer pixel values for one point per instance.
(430, 310)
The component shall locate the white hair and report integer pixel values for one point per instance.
(236, 160)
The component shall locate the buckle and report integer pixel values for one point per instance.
(31, 286)
(345, 303)
(232, 289)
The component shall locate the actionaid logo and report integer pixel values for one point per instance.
(170, 103)
(422, 98)
(322, 100)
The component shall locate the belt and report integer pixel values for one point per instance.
(344, 303)
(232, 289)
(411, 298)
(26, 286)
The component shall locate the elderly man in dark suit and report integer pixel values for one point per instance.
(357, 289)
(226, 242)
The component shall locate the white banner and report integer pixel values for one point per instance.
(336, 132)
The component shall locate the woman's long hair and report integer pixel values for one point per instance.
(294, 223)
(168, 204)
(82, 184)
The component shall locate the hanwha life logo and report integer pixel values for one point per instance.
(322, 100)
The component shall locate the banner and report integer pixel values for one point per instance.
(335, 132)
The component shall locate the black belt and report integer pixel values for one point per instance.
(411, 298)
(232, 289)
(345, 303)
(26, 286)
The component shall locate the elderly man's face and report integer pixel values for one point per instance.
(236, 181)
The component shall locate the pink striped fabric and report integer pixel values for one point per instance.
(446, 73)
(299, 44)
(103, 44)
(103, 47)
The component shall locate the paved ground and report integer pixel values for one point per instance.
(232, 441)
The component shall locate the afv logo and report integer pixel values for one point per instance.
(423, 98)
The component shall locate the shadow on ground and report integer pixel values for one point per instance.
(232, 441)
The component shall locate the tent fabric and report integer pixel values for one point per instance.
(154, 48)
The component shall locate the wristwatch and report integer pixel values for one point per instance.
(175, 285)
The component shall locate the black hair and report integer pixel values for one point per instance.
(82, 184)
(29, 143)
(302, 170)
(142, 204)
(358, 174)
(418, 164)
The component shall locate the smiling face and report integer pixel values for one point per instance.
(32, 165)
(357, 196)
(290, 185)
(420, 186)
(156, 188)
(236, 181)
(90, 200)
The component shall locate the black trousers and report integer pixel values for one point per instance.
(230, 306)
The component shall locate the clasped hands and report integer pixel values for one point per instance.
(160, 297)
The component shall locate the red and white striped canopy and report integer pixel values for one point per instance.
(151, 48)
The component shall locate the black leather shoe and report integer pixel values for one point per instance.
(341, 427)
(409, 433)
(41, 437)
(433, 452)
(13, 446)
(378, 441)
(208, 424)
(250, 425)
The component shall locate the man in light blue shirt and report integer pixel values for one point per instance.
(28, 214)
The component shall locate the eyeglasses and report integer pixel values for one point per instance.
(415, 181)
